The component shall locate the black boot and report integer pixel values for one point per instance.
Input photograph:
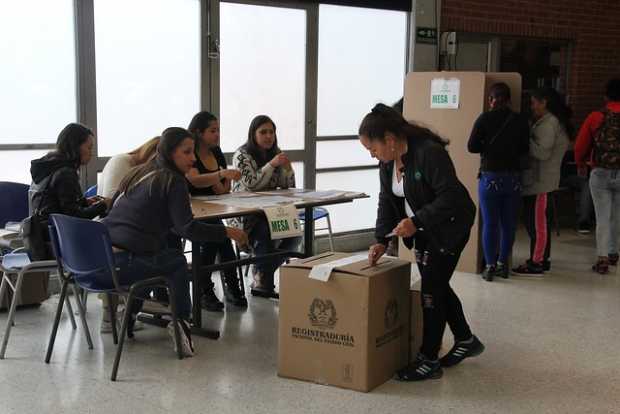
(232, 290)
(488, 273)
(263, 286)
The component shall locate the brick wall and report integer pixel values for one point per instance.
(592, 26)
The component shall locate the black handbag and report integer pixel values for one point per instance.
(34, 231)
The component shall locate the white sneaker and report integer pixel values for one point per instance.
(106, 327)
(187, 346)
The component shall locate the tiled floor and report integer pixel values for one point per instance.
(552, 347)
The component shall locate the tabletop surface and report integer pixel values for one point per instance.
(246, 203)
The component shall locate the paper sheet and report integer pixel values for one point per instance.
(323, 271)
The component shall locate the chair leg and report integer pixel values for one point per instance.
(329, 229)
(121, 338)
(175, 323)
(83, 317)
(11, 316)
(556, 220)
(69, 309)
(85, 299)
(61, 302)
(4, 286)
(113, 318)
(239, 272)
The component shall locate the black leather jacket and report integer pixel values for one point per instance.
(443, 210)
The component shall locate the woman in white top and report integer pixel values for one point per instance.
(119, 165)
(113, 173)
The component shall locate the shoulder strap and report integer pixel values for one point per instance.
(501, 130)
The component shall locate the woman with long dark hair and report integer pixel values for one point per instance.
(501, 137)
(55, 184)
(549, 140)
(210, 176)
(422, 199)
(152, 201)
(263, 167)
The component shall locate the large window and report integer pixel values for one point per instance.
(148, 69)
(361, 62)
(262, 71)
(37, 74)
(37, 80)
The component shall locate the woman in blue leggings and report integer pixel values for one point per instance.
(501, 137)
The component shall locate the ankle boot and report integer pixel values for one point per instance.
(232, 290)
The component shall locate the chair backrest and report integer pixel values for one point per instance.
(91, 192)
(13, 202)
(83, 248)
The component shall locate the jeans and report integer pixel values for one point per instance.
(226, 253)
(440, 304)
(499, 195)
(605, 187)
(260, 240)
(168, 263)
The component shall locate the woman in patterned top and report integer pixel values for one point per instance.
(263, 167)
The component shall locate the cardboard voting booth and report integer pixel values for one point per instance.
(449, 103)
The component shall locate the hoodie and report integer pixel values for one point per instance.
(62, 193)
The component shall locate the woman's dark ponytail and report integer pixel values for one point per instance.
(383, 118)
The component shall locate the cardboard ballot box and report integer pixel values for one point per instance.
(343, 322)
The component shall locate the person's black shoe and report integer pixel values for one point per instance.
(529, 268)
(583, 228)
(502, 271)
(613, 259)
(232, 292)
(210, 302)
(265, 293)
(488, 273)
(462, 350)
(546, 266)
(420, 370)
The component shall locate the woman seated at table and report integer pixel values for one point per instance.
(55, 184)
(263, 167)
(119, 166)
(115, 170)
(209, 176)
(152, 201)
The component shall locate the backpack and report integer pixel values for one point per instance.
(607, 142)
(34, 229)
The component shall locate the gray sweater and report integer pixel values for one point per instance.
(548, 144)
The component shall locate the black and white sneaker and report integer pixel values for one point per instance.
(422, 369)
(187, 346)
(462, 350)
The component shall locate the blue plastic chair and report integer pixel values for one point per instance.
(317, 214)
(13, 202)
(91, 192)
(85, 258)
(14, 207)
